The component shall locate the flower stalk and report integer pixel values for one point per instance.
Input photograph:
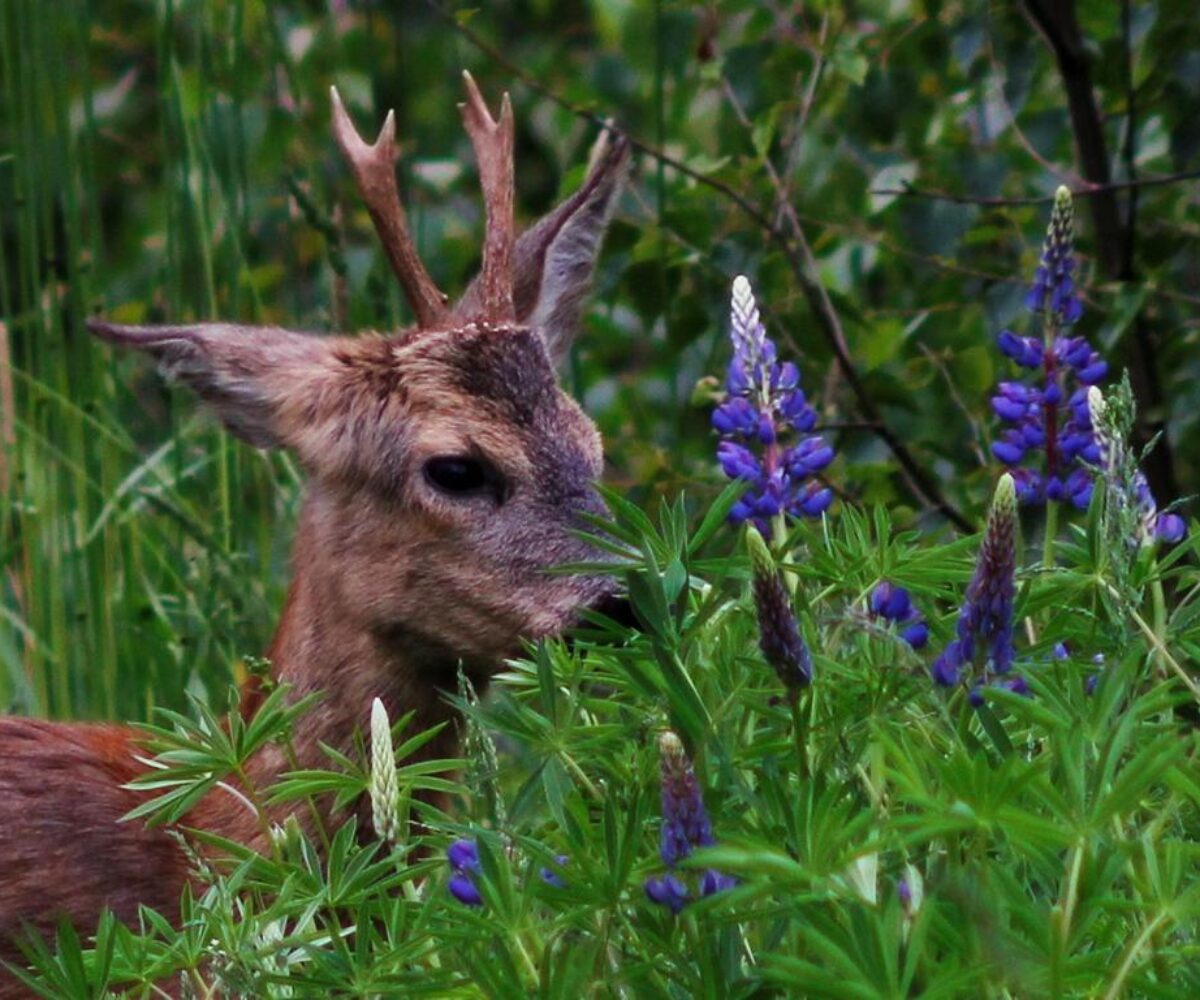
(685, 826)
(764, 406)
(1050, 419)
(983, 645)
(779, 635)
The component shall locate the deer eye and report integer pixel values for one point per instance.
(460, 475)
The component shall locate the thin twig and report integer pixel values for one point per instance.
(1085, 191)
(1068, 177)
(977, 433)
(1130, 146)
(797, 128)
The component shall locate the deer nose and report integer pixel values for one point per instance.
(585, 501)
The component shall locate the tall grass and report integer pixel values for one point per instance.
(171, 163)
(140, 545)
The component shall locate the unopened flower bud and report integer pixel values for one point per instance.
(685, 820)
(385, 793)
(985, 622)
(779, 635)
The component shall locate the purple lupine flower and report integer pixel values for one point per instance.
(551, 876)
(894, 604)
(685, 820)
(464, 862)
(463, 856)
(1158, 526)
(1051, 420)
(1125, 483)
(667, 891)
(685, 827)
(779, 636)
(984, 634)
(714, 881)
(765, 407)
(464, 890)
(1170, 528)
(916, 634)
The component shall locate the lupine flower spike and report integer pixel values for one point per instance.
(1051, 420)
(779, 635)
(984, 634)
(385, 793)
(1125, 485)
(763, 407)
(685, 826)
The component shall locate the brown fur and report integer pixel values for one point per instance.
(396, 583)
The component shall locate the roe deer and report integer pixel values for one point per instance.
(447, 472)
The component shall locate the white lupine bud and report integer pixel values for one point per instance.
(863, 877)
(912, 891)
(1097, 411)
(385, 793)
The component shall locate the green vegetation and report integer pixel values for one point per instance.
(884, 178)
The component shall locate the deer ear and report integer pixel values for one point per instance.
(553, 260)
(245, 373)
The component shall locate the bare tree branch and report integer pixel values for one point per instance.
(1090, 191)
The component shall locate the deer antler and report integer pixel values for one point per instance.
(374, 169)
(493, 142)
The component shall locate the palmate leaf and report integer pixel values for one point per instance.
(191, 757)
(349, 779)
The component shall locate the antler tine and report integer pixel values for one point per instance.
(374, 169)
(493, 142)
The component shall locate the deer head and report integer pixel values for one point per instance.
(448, 471)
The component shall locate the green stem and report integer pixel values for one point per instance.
(1157, 644)
(1158, 604)
(1064, 912)
(778, 543)
(1071, 888)
(1115, 987)
(799, 733)
(1049, 535)
(526, 959)
(573, 766)
(253, 795)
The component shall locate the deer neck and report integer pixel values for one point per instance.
(323, 647)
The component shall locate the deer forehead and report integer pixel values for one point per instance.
(476, 388)
(495, 386)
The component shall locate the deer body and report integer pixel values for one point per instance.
(447, 473)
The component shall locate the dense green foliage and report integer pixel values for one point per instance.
(1049, 841)
(174, 161)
